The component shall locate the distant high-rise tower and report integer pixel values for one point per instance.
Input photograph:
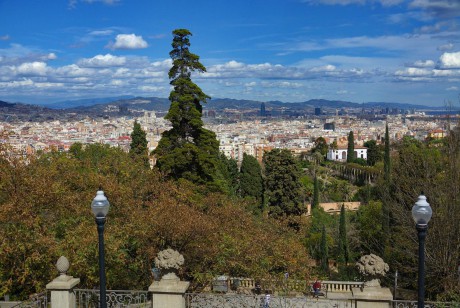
(263, 113)
(317, 111)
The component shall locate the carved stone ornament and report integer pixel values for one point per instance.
(170, 261)
(372, 267)
(62, 265)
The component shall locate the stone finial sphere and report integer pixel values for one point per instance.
(169, 259)
(372, 265)
(62, 265)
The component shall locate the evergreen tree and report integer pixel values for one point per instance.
(386, 161)
(343, 241)
(373, 152)
(351, 148)
(251, 183)
(386, 193)
(138, 141)
(282, 183)
(187, 150)
(229, 170)
(315, 202)
(324, 251)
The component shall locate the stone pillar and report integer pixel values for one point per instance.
(61, 288)
(169, 292)
(372, 297)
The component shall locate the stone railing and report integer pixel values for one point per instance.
(293, 284)
(341, 286)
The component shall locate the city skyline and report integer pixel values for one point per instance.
(405, 51)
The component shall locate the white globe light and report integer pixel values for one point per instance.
(100, 205)
(421, 211)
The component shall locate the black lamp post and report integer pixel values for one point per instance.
(421, 213)
(100, 207)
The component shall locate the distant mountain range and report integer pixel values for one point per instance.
(86, 102)
(96, 105)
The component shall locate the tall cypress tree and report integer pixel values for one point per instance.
(187, 150)
(343, 241)
(351, 148)
(386, 158)
(315, 202)
(386, 193)
(324, 251)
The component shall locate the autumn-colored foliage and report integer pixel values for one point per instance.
(45, 213)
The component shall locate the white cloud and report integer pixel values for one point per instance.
(413, 72)
(150, 88)
(4, 37)
(75, 71)
(73, 3)
(281, 84)
(421, 63)
(107, 60)
(326, 68)
(453, 88)
(17, 83)
(446, 47)
(101, 32)
(51, 56)
(128, 41)
(32, 69)
(450, 60)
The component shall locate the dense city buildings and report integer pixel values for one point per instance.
(252, 135)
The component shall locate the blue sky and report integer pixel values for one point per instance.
(290, 50)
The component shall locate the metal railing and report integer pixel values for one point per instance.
(413, 304)
(89, 298)
(40, 300)
(212, 300)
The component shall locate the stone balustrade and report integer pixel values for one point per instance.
(294, 285)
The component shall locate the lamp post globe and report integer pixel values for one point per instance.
(100, 205)
(100, 208)
(421, 213)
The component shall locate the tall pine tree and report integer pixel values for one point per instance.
(187, 150)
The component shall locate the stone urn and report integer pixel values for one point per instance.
(372, 267)
(169, 261)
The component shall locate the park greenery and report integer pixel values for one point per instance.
(246, 219)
